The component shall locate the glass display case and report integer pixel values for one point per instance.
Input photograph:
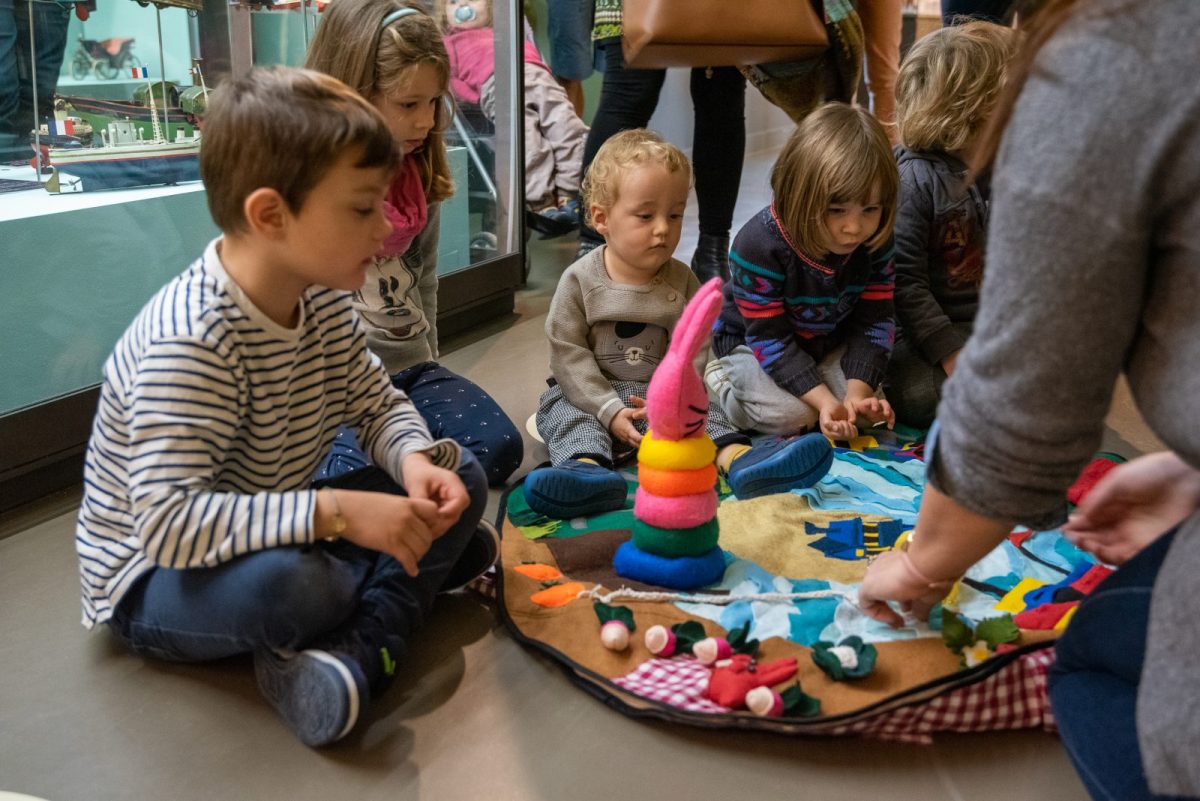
(100, 202)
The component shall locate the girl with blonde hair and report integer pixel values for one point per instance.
(393, 55)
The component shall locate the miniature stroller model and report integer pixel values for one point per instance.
(106, 58)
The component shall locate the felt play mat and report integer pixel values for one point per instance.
(793, 563)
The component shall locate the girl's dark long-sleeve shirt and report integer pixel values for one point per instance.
(792, 310)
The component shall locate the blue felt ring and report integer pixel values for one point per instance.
(683, 573)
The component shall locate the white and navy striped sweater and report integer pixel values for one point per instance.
(212, 420)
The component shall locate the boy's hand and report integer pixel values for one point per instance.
(871, 409)
(837, 421)
(1134, 505)
(392, 524)
(622, 425)
(424, 480)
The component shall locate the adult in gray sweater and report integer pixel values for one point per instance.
(1093, 268)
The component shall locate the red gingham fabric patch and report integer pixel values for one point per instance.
(1014, 697)
(679, 682)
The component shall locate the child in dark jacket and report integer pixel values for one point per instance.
(807, 324)
(947, 87)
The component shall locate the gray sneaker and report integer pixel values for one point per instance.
(315, 692)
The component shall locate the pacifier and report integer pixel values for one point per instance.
(464, 14)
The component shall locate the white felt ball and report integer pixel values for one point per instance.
(614, 635)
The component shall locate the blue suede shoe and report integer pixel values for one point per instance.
(317, 694)
(780, 465)
(575, 489)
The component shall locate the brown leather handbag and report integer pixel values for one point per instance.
(718, 33)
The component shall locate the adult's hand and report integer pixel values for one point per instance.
(1133, 505)
(892, 577)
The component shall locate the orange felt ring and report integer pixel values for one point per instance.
(674, 483)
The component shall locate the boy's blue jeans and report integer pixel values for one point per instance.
(336, 596)
(1094, 683)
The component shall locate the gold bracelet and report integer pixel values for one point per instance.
(339, 521)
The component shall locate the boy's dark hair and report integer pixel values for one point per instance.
(283, 128)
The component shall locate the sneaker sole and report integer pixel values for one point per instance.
(551, 503)
(301, 693)
(769, 476)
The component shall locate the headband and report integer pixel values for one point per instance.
(399, 13)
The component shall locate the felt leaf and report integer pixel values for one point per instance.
(956, 634)
(739, 640)
(687, 634)
(997, 630)
(799, 704)
(621, 613)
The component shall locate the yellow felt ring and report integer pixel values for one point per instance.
(674, 483)
(673, 543)
(692, 453)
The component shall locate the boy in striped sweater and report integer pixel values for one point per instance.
(200, 534)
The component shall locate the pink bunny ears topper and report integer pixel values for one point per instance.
(676, 401)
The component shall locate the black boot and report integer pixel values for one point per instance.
(711, 259)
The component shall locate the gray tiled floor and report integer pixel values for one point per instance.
(472, 714)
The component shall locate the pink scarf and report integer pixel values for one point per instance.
(405, 209)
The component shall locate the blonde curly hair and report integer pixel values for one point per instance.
(622, 152)
(949, 84)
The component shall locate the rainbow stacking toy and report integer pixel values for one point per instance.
(675, 534)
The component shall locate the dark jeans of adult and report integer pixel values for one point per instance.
(1094, 683)
(628, 99)
(17, 114)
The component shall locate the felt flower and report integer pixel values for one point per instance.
(849, 659)
(974, 644)
(976, 654)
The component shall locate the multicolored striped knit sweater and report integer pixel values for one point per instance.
(607, 20)
(792, 310)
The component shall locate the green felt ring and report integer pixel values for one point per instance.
(675, 542)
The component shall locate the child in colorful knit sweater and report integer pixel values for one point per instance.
(949, 83)
(609, 326)
(807, 324)
(554, 133)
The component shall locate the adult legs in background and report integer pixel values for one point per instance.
(627, 100)
(17, 112)
(570, 28)
(882, 21)
(962, 10)
(1094, 683)
(718, 152)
